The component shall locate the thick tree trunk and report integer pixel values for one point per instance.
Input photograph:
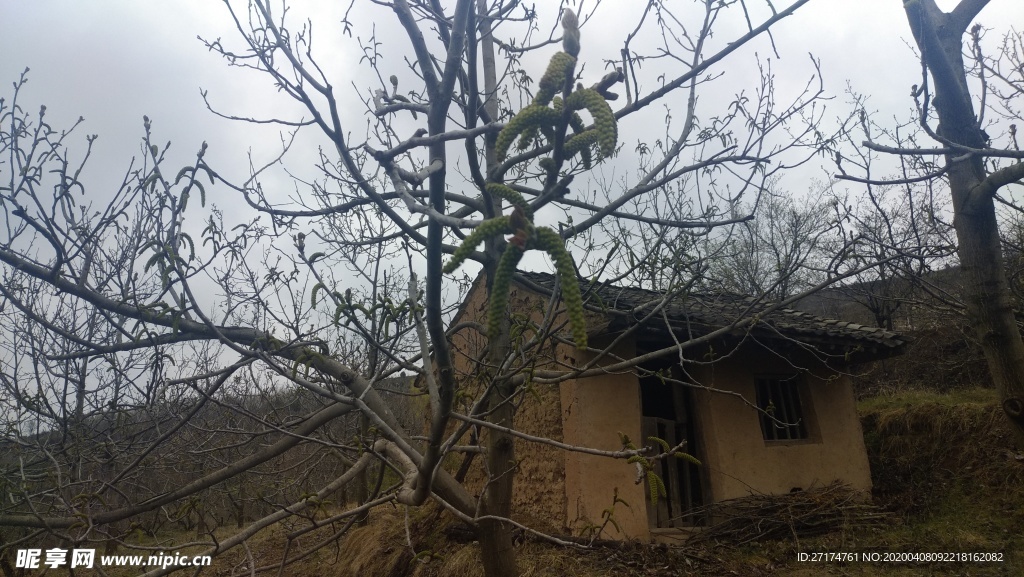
(496, 546)
(939, 36)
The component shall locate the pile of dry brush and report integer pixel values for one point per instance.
(803, 513)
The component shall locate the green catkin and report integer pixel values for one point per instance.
(656, 485)
(533, 115)
(548, 164)
(536, 119)
(549, 241)
(580, 142)
(501, 287)
(576, 123)
(488, 228)
(513, 197)
(586, 157)
(604, 118)
(527, 138)
(549, 132)
(559, 69)
(577, 127)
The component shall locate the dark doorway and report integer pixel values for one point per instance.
(667, 409)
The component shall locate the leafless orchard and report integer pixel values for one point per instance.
(169, 363)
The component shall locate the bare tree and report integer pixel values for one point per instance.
(321, 293)
(981, 159)
(784, 250)
(904, 229)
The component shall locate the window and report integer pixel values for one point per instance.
(782, 414)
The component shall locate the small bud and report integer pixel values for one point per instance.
(569, 20)
(571, 32)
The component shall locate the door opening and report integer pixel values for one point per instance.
(668, 414)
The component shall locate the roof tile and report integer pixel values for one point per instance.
(705, 312)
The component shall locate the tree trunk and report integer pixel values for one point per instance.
(986, 291)
(496, 547)
(362, 480)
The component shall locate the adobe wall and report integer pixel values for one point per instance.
(538, 491)
(740, 462)
(595, 411)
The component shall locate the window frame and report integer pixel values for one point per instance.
(788, 396)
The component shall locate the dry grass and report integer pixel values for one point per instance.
(924, 446)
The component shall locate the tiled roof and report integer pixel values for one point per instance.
(699, 314)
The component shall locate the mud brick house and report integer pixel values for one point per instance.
(765, 405)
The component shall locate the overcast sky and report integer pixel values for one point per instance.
(112, 61)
